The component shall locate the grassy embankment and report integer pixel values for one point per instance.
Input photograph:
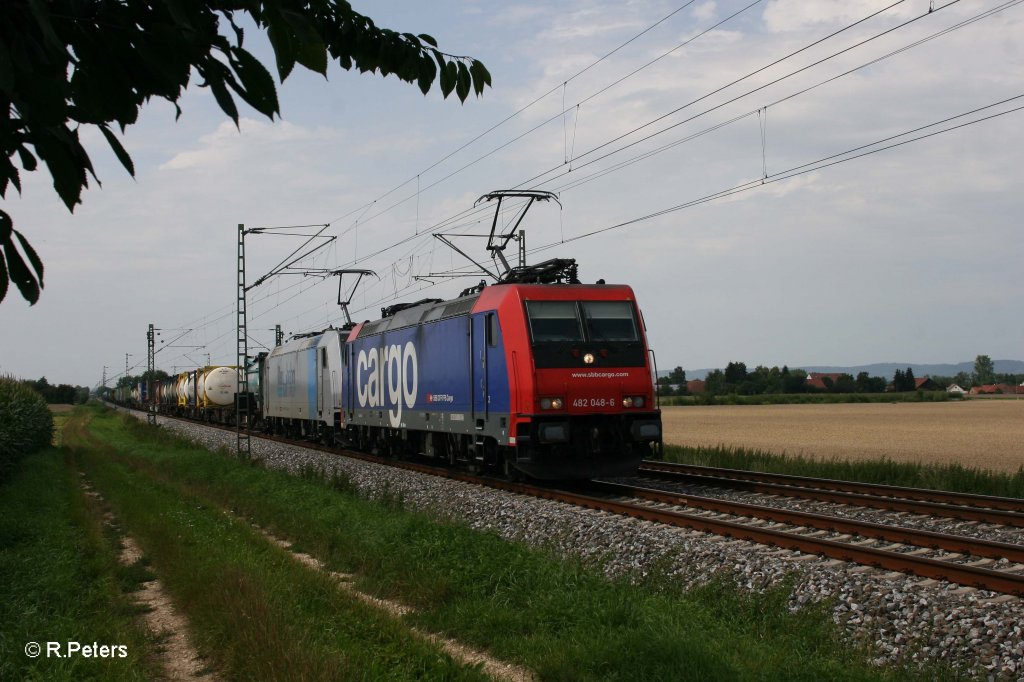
(60, 580)
(259, 614)
(951, 476)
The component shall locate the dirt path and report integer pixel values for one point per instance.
(988, 434)
(498, 670)
(176, 655)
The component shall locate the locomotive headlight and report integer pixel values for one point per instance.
(588, 359)
(627, 402)
(545, 403)
(556, 404)
(638, 401)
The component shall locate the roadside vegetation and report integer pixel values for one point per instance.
(950, 476)
(259, 614)
(255, 612)
(26, 425)
(60, 581)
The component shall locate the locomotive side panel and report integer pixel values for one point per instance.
(291, 381)
(329, 375)
(429, 377)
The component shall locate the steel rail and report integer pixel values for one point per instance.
(962, 574)
(969, 513)
(908, 536)
(1013, 504)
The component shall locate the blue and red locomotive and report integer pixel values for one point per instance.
(551, 381)
(542, 378)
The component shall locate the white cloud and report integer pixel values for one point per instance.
(705, 11)
(797, 15)
(227, 145)
(828, 248)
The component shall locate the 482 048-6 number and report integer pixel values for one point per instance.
(593, 402)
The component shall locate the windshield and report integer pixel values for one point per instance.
(554, 321)
(610, 320)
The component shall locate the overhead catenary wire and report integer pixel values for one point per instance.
(523, 108)
(851, 154)
(368, 206)
(463, 215)
(818, 164)
(577, 181)
(536, 127)
(688, 104)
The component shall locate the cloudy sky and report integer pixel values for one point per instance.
(712, 156)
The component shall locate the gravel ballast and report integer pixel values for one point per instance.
(904, 618)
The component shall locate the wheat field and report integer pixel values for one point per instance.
(986, 434)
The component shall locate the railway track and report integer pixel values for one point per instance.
(983, 508)
(983, 564)
(972, 562)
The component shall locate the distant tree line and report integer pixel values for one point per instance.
(59, 394)
(736, 379)
(134, 380)
(984, 374)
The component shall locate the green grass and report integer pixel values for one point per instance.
(59, 580)
(552, 615)
(255, 612)
(953, 477)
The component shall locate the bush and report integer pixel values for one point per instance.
(26, 424)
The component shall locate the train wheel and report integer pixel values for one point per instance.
(508, 468)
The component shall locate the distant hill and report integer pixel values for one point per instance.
(883, 369)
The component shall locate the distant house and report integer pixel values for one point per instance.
(925, 384)
(955, 388)
(695, 386)
(816, 380)
(993, 389)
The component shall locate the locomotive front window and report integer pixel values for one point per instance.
(610, 321)
(554, 321)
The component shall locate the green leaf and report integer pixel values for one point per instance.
(281, 41)
(41, 13)
(215, 75)
(311, 51)
(66, 160)
(257, 82)
(3, 278)
(449, 78)
(441, 64)
(119, 150)
(6, 70)
(428, 72)
(33, 257)
(178, 13)
(462, 89)
(481, 76)
(429, 40)
(19, 272)
(28, 161)
(9, 173)
(6, 227)
(37, 263)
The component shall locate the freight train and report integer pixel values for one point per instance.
(537, 376)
